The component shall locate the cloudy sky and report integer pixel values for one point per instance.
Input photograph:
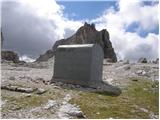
(31, 27)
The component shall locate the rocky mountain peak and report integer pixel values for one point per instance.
(91, 26)
(87, 34)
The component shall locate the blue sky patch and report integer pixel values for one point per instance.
(144, 33)
(133, 27)
(86, 9)
(89, 10)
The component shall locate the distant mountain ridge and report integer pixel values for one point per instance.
(86, 34)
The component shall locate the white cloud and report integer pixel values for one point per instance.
(32, 27)
(130, 45)
(52, 12)
(137, 11)
(26, 58)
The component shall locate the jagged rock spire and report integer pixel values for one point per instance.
(87, 34)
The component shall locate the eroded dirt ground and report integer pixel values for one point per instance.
(136, 80)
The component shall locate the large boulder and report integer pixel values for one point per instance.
(86, 34)
(156, 61)
(142, 60)
(9, 56)
(45, 56)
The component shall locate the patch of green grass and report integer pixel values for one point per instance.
(22, 102)
(14, 102)
(145, 93)
(139, 94)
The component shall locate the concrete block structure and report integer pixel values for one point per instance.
(79, 64)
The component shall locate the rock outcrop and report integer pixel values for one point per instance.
(156, 61)
(142, 60)
(2, 39)
(9, 56)
(46, 56)
(86, 34)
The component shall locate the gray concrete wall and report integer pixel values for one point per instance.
(81, 65)
(96, 65)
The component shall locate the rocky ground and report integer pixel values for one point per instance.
(26, 92)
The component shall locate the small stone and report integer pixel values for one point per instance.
(3, 102)
(126, 62)
(65, 85)
(74, 111)
(45, 82)
(56, 87)
(144, 110)
(12, 78)
(145, 89)
(78, 114)
(120, 61)
(11, 88)
(139, 72)
(40, 79)
(16, 108)
(110, 118)
(97, 113)
(27, 95)
(127, 67)
(64, 102)
(68, 85)
(40, 91)
(72, 86)
(77, 86)
(26, 90)
(50, 104)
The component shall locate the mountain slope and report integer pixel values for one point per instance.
(86, 34)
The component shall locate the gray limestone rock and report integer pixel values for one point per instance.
(142, 60)
(25, 90)
(156, 61)
(45, 56)
(86, 34)
(126, 62)
(12, 78)
(50, 104)
(104, 88)
(40, 91)
(10, 56)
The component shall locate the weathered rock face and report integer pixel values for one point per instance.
(2, 39)
(142, 60)
(9, 56)
(157, 61)
(46, 56)
(87, 34)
